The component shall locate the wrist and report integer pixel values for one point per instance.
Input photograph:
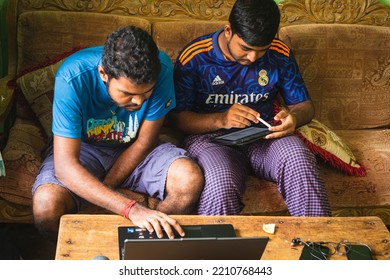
(126, 209)
(220, 121)
(294, 115)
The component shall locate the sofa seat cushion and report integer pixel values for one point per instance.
(373, 147)
(261, 197)
(348, 195)
(22, 159)
(15, 213)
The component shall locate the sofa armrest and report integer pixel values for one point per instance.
(7, 109)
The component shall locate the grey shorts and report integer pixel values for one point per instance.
(149, 176)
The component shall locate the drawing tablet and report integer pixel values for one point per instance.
(243, 136)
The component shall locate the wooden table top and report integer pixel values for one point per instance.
(82, 237)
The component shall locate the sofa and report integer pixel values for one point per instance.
(342, 48)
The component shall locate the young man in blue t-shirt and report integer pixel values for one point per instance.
(109, 105)
(229, 79)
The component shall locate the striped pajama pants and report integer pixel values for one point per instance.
(286, 161)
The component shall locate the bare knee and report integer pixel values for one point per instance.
(185, 183)
(186, 175)
(50, 202)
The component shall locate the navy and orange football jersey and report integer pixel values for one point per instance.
(206, 82)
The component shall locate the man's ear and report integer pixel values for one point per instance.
(228, 31)
(103, 74)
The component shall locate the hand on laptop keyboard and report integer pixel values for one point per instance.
(154, 221)
(142, 233)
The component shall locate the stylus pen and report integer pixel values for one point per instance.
(264, 122)
(260, 119)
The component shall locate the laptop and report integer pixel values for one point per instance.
(202, 242)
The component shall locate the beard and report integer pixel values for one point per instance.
(242, 61)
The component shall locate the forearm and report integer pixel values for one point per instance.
(84, 184)
(126, 163)
(196, 123)
(303, 112)
(78, 179)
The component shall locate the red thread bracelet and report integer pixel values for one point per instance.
(126, 210)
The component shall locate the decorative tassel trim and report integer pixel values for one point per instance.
(333, 160)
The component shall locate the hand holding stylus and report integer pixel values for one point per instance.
(260, 119)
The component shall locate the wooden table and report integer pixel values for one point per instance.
(86, 236)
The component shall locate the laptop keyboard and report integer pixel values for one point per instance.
(142, 233)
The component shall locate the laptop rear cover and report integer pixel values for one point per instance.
(224, 248)
(192, 231)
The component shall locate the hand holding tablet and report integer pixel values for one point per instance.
(245, 135)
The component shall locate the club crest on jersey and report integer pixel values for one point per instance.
(263, 78)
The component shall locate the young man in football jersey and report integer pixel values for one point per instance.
(109, 105)
(230, 78)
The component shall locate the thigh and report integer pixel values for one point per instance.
(95, 159)
(220, 160)
(225, 169)
(150, 175)
(269, 156)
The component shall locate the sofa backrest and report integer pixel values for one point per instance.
(346, 69)
(172, 36)
(43, 35)
(293, 12)
(41, 30)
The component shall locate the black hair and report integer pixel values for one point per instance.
(255, 21)
(130, 52)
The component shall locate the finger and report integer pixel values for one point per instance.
(157, 227)
(167, 228)
(280, 131)
(175, 224)
(138, 217)
(242, 119)
(279, 126)
(281, 115)
(170, 225)
(241, 123)
(273, 135)
(148, 226)
(248, 113)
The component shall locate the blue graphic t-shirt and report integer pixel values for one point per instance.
(83, 108)
(206, 82)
